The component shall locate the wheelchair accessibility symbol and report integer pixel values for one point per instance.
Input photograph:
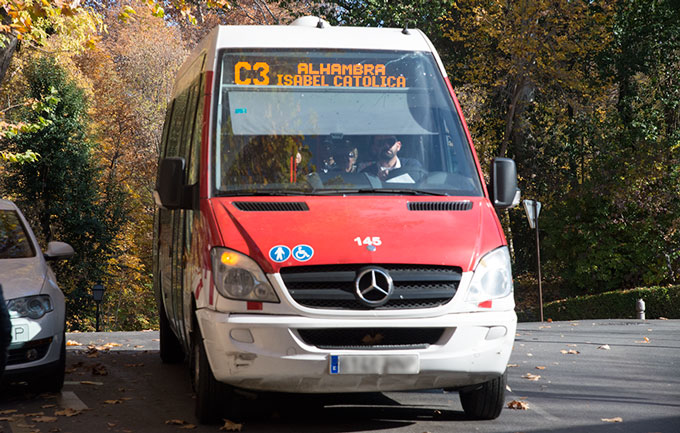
(302, 253)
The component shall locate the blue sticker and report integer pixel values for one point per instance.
(334, 364)
(302, 253)
(240, 111)
(279, 253)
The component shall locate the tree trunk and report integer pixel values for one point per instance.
(8, 48)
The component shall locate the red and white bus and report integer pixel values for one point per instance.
(323, 222)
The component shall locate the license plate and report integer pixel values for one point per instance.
(20, 333)
(374, 364)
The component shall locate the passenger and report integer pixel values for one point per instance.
(389, 166)
(344, 157)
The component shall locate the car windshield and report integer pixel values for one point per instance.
(338, 122)
(14, 242)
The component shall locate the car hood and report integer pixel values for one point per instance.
(22, 277)
(358, 229)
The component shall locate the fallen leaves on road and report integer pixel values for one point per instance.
(513, 365)
(540, 367)
(8, 411)
(530, 376)
(175, 422)
(230, 426)
(605, 347)
(113, 401)
(569, 352)
(68, 412)
(180, 422)
(44, 419)
(89, 382)
(73, 343)
(645, 340)
(617, 419)
(519, 405)
(141, 364)
(100, 370)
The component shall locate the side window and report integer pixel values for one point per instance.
(176, 122)
(195, 156)
(189, 115)
(166, 126)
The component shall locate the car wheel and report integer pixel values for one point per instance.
(171, 348)
(486, 401)
(209, 392)
(54, 380)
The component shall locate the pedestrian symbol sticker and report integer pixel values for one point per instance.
(302, 253)
(279, 253)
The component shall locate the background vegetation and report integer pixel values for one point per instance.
(583, 95)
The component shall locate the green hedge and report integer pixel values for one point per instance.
(659, 302)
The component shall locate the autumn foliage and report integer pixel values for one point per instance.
(584, 96)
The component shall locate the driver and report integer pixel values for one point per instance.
(388, 166)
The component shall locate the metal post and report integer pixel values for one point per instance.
(538, 258)
(96, 326)
(640, 308)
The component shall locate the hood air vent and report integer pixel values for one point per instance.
(440, 205)
(271, 206)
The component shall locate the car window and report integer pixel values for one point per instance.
(14, 241)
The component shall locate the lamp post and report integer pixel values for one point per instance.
(98, 295)
(533, 209)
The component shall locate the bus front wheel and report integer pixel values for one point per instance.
(486, 401)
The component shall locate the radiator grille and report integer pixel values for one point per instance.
(20, 355)
(332, 286)
(371, 338)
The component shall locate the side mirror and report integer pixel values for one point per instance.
(58, 251)
(170, 183)
(503, 188)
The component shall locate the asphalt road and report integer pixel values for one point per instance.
(595, 377)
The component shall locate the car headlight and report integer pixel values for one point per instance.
(237, 276)
(492, 278)
(33, 307)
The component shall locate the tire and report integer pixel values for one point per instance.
(54, 380)
(486, 401)
(209, 392)
(171, 348)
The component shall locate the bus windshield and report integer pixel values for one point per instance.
(338, 122)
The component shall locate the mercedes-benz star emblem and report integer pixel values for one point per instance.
(373, 287)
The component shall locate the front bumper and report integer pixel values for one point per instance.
(36, 344)
(265, 352)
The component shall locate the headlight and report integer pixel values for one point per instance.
(33, 307)
(492, 278)
(237, 276)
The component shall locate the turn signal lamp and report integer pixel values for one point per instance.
(229, 258)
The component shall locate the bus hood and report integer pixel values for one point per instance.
(356, 229)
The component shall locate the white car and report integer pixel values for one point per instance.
(37, 352)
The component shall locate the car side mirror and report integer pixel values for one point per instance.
(58, 251)
(170, 183)
(503, 189)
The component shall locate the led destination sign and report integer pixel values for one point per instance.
(315, 75)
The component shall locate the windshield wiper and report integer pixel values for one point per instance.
(376, 191)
